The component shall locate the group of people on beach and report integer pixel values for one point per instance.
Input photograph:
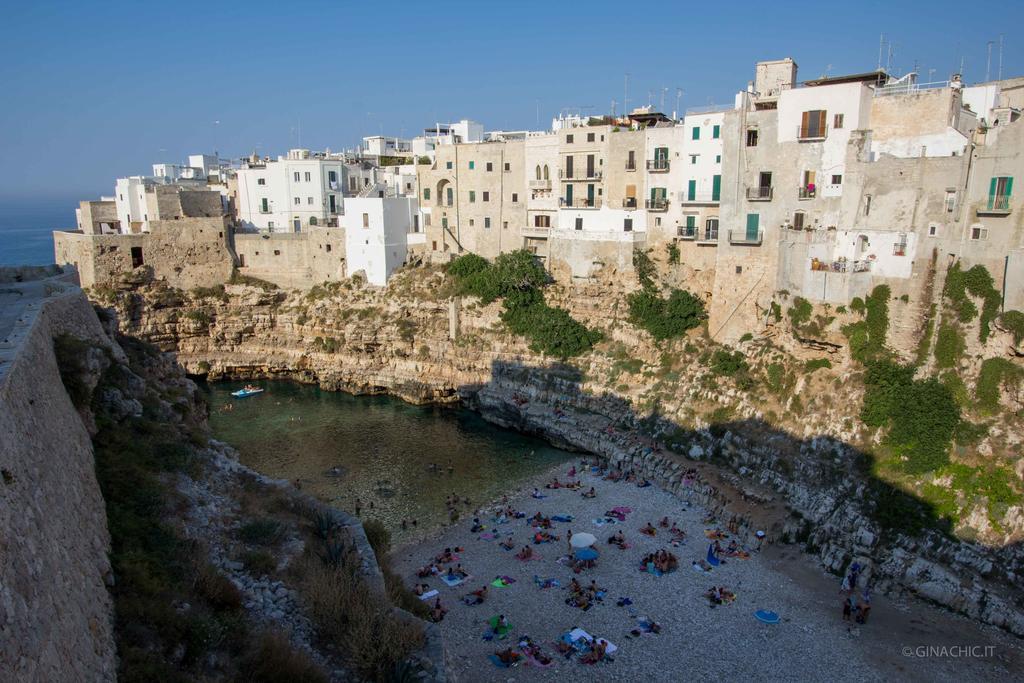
(856, 602)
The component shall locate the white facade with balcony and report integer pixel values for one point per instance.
(291, 193)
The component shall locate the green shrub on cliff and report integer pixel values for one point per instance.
(921, 415)
(949, 345)
(995, 374)
(1014, 322)
(517, 278)
(665, 318)
(961, 285)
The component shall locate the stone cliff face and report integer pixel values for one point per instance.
(654, 408)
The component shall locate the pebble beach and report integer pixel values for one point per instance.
(696, 640)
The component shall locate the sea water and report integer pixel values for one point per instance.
(376, 449)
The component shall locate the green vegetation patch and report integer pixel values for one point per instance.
(517, 278)
(996, 374)
(961, 285)
(949, 345)
(665, 318)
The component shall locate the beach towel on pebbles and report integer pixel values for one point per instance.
(453, 581)
(429, 594)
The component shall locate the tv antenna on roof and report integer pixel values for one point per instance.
(988, 60)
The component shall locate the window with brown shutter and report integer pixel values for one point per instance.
(812, 124)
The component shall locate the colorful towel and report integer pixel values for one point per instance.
(712, 558)
(503, 582)
(453, 581)
(561, 518)
(546, 583)
(496, 660)
(602, 521)
(429, 594)
(487, 537)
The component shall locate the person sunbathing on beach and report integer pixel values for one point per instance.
(630, 478)
(574, 586)
(649, 530)
(438, 612)
(445, 557)
(733, 548)
(554, 484)
(428, 570)
(421, 588)
(618, 539)
(572, 472)
(614, 475)
(526, 553)
(590, 494)
(507, 544)
(596, 654)
(476, 597)
(477, 526)
(663, 523)
(531, 649)
(507, 656)
(643, 483)
(543, 537)
(676, 531)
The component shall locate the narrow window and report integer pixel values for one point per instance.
(837, 121)
(716, 132)
(366, 220)
(487, 196)
(490, 166)
(426, 194)
(590, 137)
(472, 165)
(867, 204)
(487, 222)
(798, 220)
(627, 224)
(515, 198)
(137, 257)
(752, 137)
(296, 176)
(448, 165)
(579, 223)
(568, 139)
(308, 177)
(472, 196)
(696, 133)
(837, 179)
(508, 166)
(328, 247)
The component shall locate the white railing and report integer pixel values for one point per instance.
(908, 88)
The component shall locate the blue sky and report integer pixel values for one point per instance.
(97, 90)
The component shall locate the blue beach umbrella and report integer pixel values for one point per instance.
(586, 554)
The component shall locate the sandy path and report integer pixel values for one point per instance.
(697, 642)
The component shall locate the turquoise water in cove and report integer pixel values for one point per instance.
(381, 447)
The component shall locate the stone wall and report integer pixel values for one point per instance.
(185, 252)
(56, 615)
(293, 260)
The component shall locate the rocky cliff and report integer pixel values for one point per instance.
(782, 446)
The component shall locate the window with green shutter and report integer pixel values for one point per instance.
(426, 194)
(472, 196)
(691, 190)
(753, 221)
(999, 190)
(716, 131)
(696, 133)
(472, 165)
(691, 221)
(716, 188)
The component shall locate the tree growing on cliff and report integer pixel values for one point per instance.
(665, 318)
(518, 278)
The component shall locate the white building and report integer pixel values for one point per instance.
(378, 233)
(382, 146)
(291, 193)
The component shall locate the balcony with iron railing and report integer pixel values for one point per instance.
(708, 236)
(744, 237)
(580, 176)
(761, 193)
(687, 232)
(811, 133)
(998, 205)
(807, 192)
(544, 184)
(658, 165)
(656, 204)
(631, 165)
(899, 249)
(579, 203)
(699, 198)
(842, 265)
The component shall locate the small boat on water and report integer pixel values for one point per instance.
(247, 390)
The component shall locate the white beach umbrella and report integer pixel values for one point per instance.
(583, 540)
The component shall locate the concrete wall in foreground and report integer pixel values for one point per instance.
(56, 614)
